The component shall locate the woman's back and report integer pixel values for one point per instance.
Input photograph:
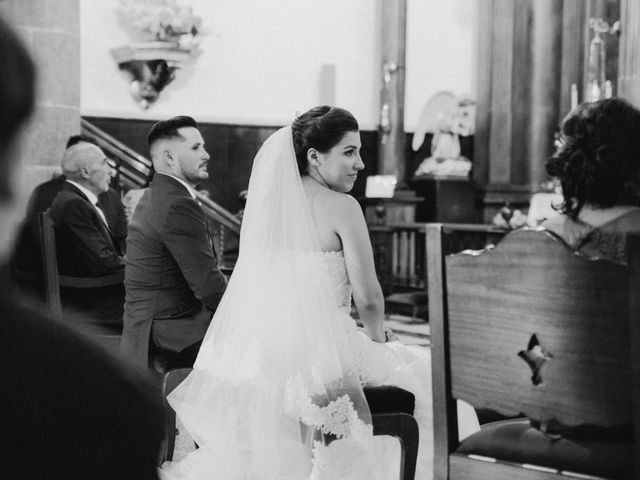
(598, 232)
(322, 203)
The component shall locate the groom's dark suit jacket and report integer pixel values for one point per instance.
(172, 281)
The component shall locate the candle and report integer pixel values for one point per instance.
(608, 89)
(574, 96)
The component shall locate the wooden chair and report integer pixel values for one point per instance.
(391, 413)
(399, 252)
(532, 328)
(107, 337)
(170, 381)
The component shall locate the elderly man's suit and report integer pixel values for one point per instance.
(85, 244)
(27, 255)
(86, 247)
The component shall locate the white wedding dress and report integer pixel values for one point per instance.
(408, 367)
(283, 360)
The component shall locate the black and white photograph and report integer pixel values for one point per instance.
(320, 239)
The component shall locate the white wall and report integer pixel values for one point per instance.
(441, 52)
(261, 59)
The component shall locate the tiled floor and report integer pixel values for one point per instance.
(409, 332)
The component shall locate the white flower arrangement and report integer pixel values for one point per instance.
(162, 20)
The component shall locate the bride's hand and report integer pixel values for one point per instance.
(390, 335)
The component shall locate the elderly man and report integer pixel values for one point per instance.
(85, 244)
(27, 256)
(172, 281)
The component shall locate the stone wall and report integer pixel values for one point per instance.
(50, 29)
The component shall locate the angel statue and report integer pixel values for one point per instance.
(447, 117)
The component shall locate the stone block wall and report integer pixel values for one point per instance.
(50, 30)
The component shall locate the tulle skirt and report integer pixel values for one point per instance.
(245, 433)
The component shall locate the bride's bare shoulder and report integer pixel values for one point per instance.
(339, 204)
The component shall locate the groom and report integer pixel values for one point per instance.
(172, 281)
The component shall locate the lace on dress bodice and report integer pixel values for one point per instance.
(335, 263)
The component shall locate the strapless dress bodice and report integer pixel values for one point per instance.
(337, 269)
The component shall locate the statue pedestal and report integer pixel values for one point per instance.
(399, 209)
(445, 199)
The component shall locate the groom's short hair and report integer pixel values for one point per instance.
(168, 129)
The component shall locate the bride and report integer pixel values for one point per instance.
(283, 363)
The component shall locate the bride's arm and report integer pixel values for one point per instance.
(351, 227)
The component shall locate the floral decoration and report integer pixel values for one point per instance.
(162, 20)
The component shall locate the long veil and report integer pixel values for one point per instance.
(276, 366)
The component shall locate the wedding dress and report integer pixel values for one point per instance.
(283, 362)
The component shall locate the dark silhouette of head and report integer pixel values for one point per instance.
(17, 100)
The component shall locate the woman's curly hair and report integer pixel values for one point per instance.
(598, 161)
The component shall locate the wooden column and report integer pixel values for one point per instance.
(546, 42)
(520, 90)
(522, 87)
(629, 62)
(574, 21)
(484, 82)
(392, 136)
(501, 82)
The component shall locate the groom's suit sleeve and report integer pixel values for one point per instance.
(186, 234)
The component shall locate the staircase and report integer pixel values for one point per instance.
(135, 171)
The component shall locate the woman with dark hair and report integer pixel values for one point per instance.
(598, 166)
(283, 364)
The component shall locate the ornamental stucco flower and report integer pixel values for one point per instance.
(162, 20)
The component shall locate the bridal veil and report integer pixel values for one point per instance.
(277, 363)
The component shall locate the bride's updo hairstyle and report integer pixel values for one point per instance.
(598, 160)
(321, 128)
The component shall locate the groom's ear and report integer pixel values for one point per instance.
(168, 157)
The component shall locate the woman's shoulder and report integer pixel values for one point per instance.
(629, 221)
(572, 231)
(609, 240)
(336, 201)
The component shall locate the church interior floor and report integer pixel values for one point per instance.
(408, 330)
